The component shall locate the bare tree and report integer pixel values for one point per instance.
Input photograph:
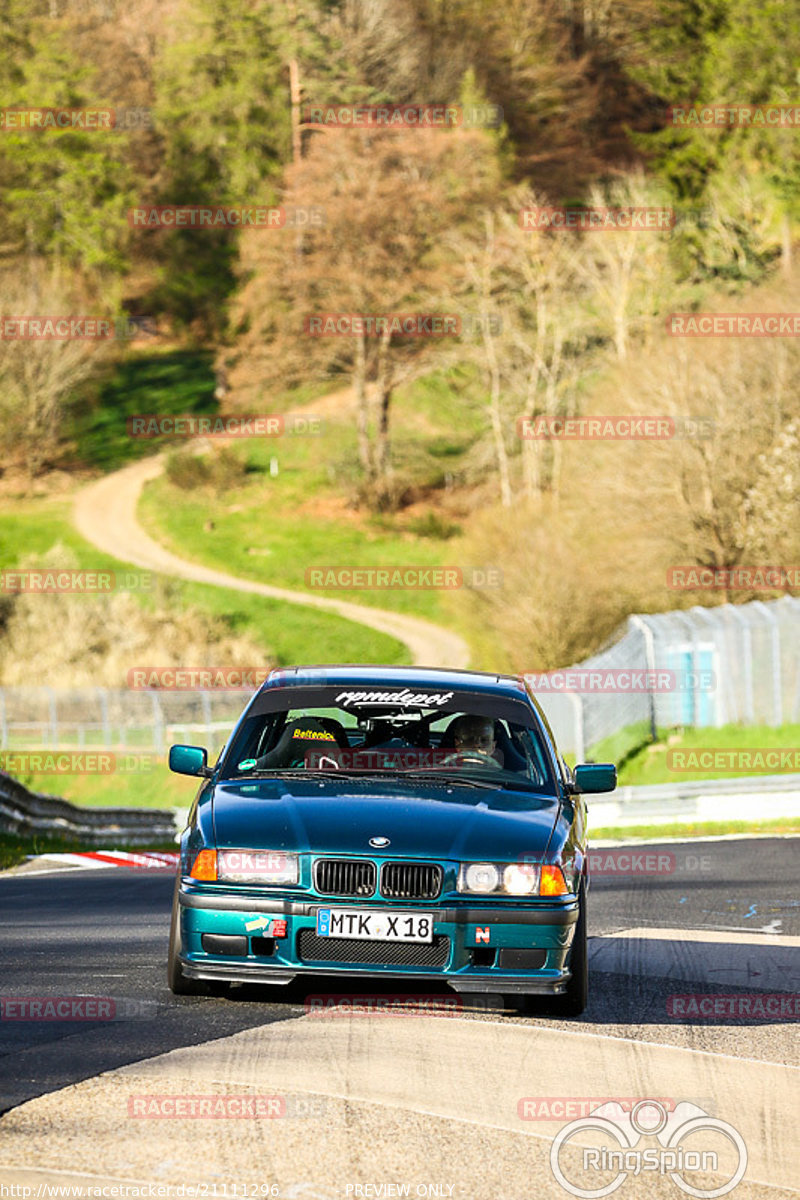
(38, 375)
(387, 198)
(627, 269)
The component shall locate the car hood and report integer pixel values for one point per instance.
(340, 817)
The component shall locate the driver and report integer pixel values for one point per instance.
(474, 733)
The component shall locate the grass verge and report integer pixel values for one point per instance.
(288, 633)
(287, 511)
(655, 762)
(782, 825)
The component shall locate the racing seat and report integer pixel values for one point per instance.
(300, 737)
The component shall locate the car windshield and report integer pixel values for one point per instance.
(465, 744)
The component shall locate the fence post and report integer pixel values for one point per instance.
(106, 722)
(777, 687)
(206, 703)
(580, 731)
(53, 711)
(747, 658)
(719, 706)
(158, 724)
(650, 658)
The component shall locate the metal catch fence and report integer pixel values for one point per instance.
(733, 664)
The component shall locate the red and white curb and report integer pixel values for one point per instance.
(102, 860)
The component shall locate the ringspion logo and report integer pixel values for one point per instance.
(611, 1164)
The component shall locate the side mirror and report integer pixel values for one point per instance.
(595, 777)
(189, 760)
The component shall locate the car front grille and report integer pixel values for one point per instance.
(389, 954)
(411, 881)
(344, 877)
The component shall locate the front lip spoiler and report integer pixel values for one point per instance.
(478, 984)
(563, 914)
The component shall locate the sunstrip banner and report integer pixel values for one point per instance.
(406, 699)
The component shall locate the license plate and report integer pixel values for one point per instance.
(375, 926)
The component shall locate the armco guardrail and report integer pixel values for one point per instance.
(748, 798)
(27, 812)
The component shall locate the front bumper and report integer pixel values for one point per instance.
(504, 947)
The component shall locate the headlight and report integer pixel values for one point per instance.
(520, 879)
(479, 877)
(512, 879)
(271, 867)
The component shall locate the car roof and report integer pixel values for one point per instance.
(370, 674)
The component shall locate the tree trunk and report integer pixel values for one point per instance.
(295, 95)
(383, 401)
(362, 409)
(786, 245)
(497, 423)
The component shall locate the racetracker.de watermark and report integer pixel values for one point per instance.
(395, 759)
(621, 679)
(759, 1006)
(335, 1004)
(727, 116)
(188, 425)
(342, 324)
(14, 581)
(219, 216)
(83, 119)
(754, 760)
(64, 327)
(225, 1107)
(74, 1008)
(399, 577)
(625, 862)
(76, 762)
(732, 579)
(765, 324)
(567, 1108)
(612, 428)
(189, 679)
(597, 220)
(404, 116)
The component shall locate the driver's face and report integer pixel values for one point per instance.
(480, 738)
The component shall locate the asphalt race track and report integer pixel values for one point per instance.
(456, 1106)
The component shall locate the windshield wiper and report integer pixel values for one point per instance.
(362, 773)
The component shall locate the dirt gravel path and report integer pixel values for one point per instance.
(105, 514)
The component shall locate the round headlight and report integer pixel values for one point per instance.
(482, 877)
(520, 879)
